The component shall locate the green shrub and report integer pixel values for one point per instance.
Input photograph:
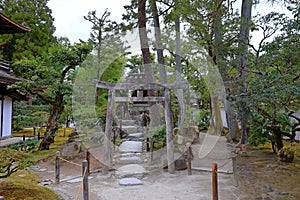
(158, 134)
(203, 119)
(26, 145)
(11, 161)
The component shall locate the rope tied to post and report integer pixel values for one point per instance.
(81, 185)
(85, 173)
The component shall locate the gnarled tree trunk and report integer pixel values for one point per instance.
(52, 127)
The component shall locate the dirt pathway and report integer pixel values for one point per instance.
(157, 185)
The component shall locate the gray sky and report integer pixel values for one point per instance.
(69, 14)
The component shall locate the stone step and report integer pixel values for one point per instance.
(131, 170)
(130, 182)
(131, 147)
(134, 139)
(135, 135)
(130, 129)
(130, 160)
(128, 122)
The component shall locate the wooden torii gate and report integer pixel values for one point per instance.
(112, 87)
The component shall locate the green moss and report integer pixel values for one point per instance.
(23, 185)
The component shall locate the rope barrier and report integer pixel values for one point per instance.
(70, 162)
(85, 172)
(81, 185)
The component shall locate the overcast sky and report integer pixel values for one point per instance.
(69, 14)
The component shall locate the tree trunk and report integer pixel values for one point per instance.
(53, 121)
(242, 63)
(216, 119)
(232, 123)
(218, 49)
(180, 97)
(154, 111)
(278, 139)
(159, 47)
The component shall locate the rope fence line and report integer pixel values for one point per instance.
(78, 165)
(85, 173)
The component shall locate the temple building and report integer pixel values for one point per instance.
(7, 96)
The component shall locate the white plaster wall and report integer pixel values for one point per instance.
(7, 117)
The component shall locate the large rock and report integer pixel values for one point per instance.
(71, 149)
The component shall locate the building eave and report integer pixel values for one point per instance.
(8, 26)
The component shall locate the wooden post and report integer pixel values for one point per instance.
(57, 167)
(151, 149)
(39, 135)
(169, 132)
(214, 181)
(189, 159)
(24, 138)
(85, 180)
(107, 145)
(235, 174)
(34, 131)
(88, 158)
(148, 144)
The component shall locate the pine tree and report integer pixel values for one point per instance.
(34, 14)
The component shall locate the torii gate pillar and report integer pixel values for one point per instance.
(108, 127)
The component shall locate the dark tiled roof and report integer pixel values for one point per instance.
(9, 26)
(6, 79)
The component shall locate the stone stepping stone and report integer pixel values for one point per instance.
(135, 135)
(128, 122)
(130, 129)
(131, 147)
(131, 170)
(132, 160)
(130, 182)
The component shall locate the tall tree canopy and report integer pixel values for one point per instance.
(274, 86)
(34, 14)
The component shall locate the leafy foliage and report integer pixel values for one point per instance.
(11, 161)
(29, 116)
(26, 145)
(158, 133)
(34, 14)
(203, 119)
(274, 86)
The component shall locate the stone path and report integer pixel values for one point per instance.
(130, 156)
(158, 184)
(135, 179)
(9, 141)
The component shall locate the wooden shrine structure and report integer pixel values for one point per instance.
(139, 88)
(7, 96)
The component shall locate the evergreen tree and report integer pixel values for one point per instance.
(50, 79)
(34, 14)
